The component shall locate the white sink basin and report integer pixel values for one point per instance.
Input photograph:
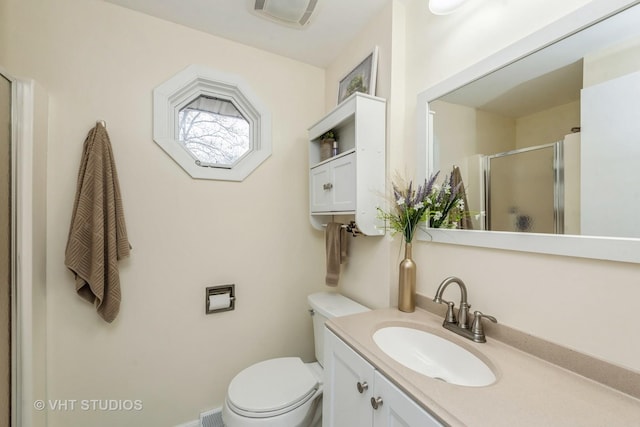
(433, 356)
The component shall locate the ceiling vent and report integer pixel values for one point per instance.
(293, 13)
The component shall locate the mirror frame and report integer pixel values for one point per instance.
(594, 247)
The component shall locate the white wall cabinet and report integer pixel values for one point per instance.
(352, 182)
(356, 395)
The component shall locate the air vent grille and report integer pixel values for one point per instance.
(293, 13)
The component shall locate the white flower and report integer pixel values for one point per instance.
(400, 201)
(437, 216)
(460, 204)
(419, 205)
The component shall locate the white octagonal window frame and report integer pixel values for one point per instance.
(194, 81)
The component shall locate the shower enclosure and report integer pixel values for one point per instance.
(524, 190)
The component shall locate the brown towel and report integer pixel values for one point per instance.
(465, 221)
(336, 247)
(98, 235)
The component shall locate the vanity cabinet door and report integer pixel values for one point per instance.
(356, 395)
(397, 409)
(345, 403)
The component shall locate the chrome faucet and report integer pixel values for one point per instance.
(461, 325)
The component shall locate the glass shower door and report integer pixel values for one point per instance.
(524, 190)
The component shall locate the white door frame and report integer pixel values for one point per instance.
(22, 119)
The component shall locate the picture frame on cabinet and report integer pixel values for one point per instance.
(361, 79)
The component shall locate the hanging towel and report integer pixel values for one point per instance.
(465, 221)
(98, 235)
(336, 247)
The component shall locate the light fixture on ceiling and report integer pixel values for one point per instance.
(293, 13)
(445, 7)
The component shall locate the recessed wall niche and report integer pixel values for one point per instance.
(211, 123)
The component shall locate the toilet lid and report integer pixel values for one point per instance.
(272, 385)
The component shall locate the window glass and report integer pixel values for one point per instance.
(213, 131)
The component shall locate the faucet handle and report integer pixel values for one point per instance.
(450, 316)
(476, 327)
(463, 315)
(486, 316)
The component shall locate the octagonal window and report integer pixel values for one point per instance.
(211, 124)
(213, 131)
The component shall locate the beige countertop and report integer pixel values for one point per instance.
(528, 391)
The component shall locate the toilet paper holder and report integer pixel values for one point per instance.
(222, 290)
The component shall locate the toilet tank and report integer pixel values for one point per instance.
(327, 305)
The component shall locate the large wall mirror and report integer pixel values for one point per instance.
(547, 136)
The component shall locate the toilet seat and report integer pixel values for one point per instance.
(271, 387)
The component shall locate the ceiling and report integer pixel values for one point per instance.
(334, 23)
(495, 94)
(553, 75)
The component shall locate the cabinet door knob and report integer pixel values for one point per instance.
(376, 402)
(328, 186)
(362, 386)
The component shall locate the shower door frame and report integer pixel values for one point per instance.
(12, 243)
(558, 182)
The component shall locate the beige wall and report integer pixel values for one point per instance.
(555, 298)
(464, 135)
(370, 286)
(464, 131)
(571, 161)
(495, 133)
(100, 61)
(611, 62)
(548, 126)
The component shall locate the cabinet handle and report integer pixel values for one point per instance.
(376, 402)
(328, 186)
(362, 386)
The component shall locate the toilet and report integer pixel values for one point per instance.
(286, 392)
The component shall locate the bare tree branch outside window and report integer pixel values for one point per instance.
(214, 138)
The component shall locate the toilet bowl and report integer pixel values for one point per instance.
(286, 392)
(276, 392)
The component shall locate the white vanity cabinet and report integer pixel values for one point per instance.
(356, 395)
(352, 182)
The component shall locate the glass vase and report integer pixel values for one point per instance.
(407, 282)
